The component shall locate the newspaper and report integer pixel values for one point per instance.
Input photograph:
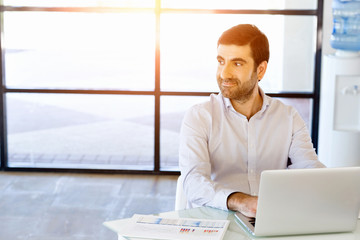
(155, 227)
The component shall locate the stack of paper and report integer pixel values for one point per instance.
(145, 226)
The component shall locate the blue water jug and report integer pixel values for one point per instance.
(346, 25)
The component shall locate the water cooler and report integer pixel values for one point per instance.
(339, 126)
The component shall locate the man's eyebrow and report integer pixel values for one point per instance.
(238, 59)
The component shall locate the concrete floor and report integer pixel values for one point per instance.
(54, 206)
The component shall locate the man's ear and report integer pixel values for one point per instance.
(261, 69)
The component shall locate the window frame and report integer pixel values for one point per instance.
(157, 92)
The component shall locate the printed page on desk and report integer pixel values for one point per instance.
(146, 226)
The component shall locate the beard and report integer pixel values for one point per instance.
(239, 91)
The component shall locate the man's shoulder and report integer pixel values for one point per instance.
(283, 105)
(214, 100)
(207, 109)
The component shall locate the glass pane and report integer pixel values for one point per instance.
(173, 109)
(303, 106)
(80, 131)
(188, 50)
(236, 4)
(79, 50)
(80, 3)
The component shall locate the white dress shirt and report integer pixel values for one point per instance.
(222, 152)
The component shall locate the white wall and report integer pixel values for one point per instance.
(327, 27)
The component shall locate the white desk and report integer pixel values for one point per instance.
(237, 232)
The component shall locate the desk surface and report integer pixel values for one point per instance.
(237, 232)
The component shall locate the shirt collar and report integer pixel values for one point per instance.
(266, 101)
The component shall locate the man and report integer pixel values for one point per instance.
(227, 142)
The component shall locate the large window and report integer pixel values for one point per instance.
(103, 85)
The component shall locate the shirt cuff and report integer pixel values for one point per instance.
(220, 199)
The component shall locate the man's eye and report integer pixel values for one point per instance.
(238, 64)
(221, 62)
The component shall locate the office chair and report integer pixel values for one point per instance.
(180, 199)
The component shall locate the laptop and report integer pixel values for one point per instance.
(306, 201)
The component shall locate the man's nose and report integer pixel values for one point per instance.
(226, 72)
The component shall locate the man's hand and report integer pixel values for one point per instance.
(243, 203)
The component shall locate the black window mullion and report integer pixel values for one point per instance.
(317, 76)
(3, 155)
(3, 132)
(75, 9)
(243, 11)
(157, 88)
(79, 91)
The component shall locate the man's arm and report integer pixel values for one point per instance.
(302, 153)
(243, 203)
(195, 164)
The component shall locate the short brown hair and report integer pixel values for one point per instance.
(244, 34)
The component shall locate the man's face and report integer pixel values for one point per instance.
(236, 75)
